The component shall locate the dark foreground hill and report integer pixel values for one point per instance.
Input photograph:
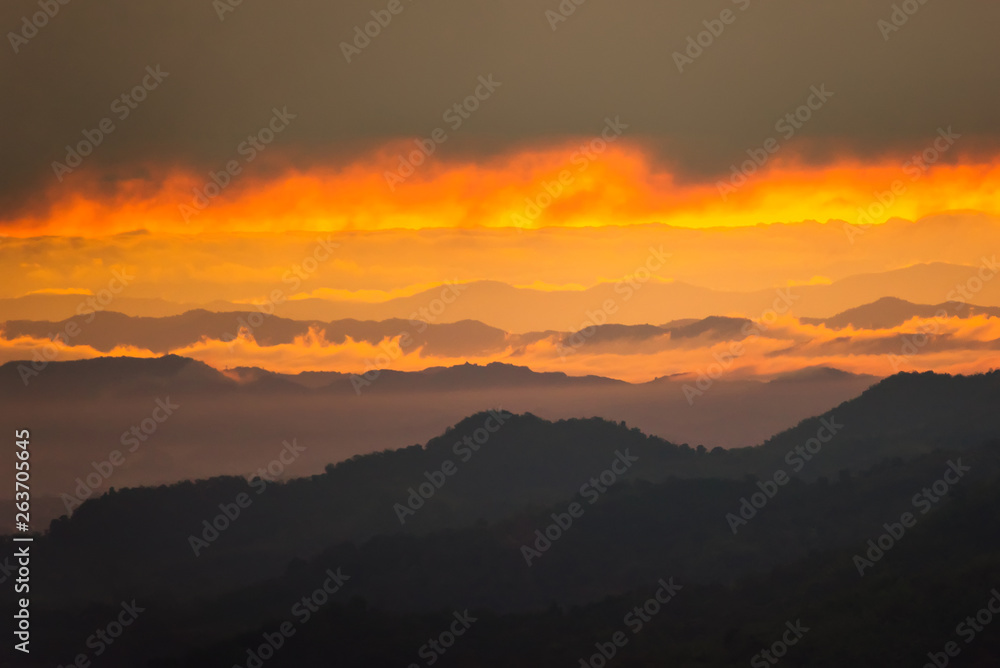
(552, 532)
(233, 423)
(796, 561)
(932, 587)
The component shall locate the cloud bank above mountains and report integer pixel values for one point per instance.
(344, 121)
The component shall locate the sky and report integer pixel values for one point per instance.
(221, 75)
(210, 148)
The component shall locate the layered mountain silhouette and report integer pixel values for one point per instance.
(666, 513)
(235, 421)
(107, 330)
(515, 309)
(891, 311)
(458, 521)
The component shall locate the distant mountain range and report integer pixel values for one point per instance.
(232, 422)
(890, 312)
(107, 330)
(665, 515)
(525, 310)
(525, 461)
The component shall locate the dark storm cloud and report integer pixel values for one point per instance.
(606, 58)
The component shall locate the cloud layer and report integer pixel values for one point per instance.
(226, 72)
(763, 348)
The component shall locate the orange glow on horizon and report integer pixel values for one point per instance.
(945, 345)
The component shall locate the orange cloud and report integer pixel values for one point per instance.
(570, 185)
(37, 353)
